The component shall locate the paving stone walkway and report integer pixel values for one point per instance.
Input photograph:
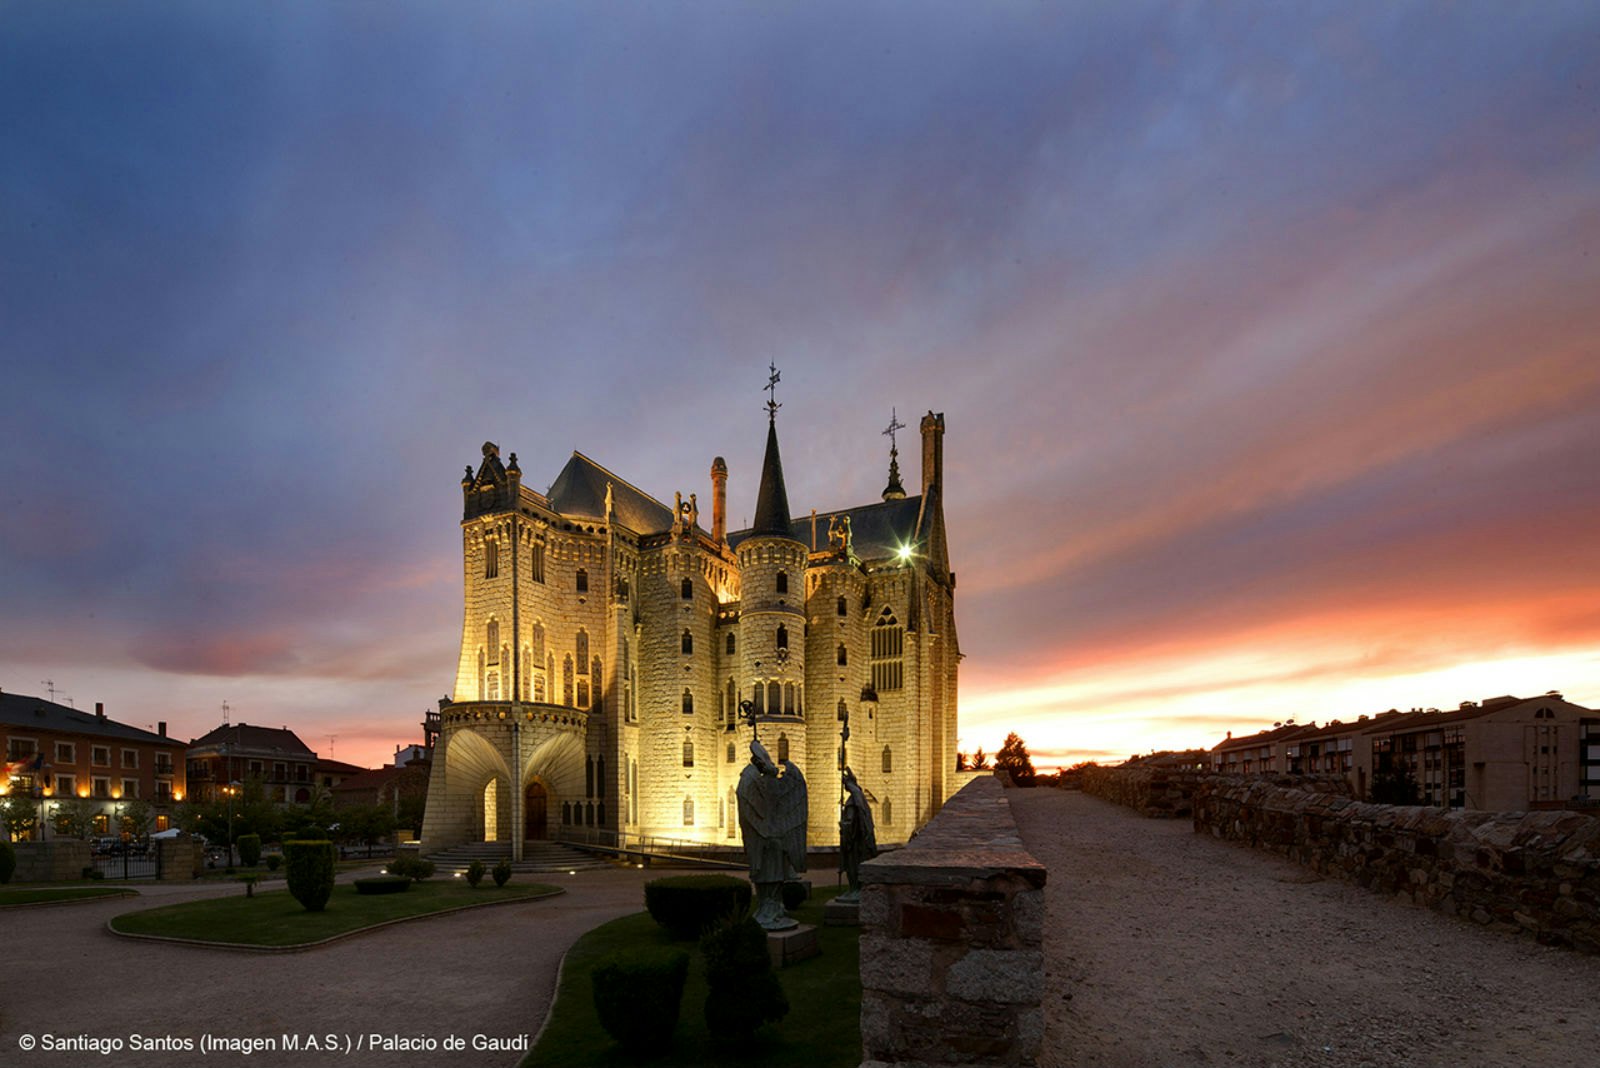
(487, 972)
(1169, 950)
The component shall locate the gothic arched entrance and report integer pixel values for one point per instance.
(535, 824)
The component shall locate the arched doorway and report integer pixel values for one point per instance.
(535, 824)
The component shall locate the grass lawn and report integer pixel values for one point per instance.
(41, 895)
(275, 918)
(822, 1029)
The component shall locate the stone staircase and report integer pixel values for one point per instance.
(537, 857)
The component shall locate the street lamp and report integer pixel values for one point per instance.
(231, 790)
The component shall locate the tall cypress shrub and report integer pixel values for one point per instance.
(309, 867)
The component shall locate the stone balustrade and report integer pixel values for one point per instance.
(952, 966)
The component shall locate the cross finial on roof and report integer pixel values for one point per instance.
(894, 424)
(894, 490)
(773, 375)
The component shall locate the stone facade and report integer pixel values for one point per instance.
(952, 964)
(608, 641)
(1534, 871)
(1159, 793)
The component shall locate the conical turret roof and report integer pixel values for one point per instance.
(772, 501)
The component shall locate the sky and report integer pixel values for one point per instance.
(1266, 335)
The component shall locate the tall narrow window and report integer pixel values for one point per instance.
(538, 642)
(732, 753)
(844, 710)
(566, 682)
(757, 698)
(788, 698)
(588, 776)
(538, 561)
(688, 754)
(491, 559)
(888, 812)
(594, 677)
(688, 812)
(774, 698)
(600, 777)
(491, 641)
(733, 705)
(583, 580)
(843, 609)
(844, 657)
(888, 641)
(580, 650)
(731, 644)
(783, 747)
(783, 636)
(686, 590)
(783, 582)
(888, 760)
(688, 703)
(688, 643)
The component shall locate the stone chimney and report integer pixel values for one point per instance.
(161, 728)
(99, 710)
(719, 499)
(932, 451)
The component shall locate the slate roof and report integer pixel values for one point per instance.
(876, 530)
(243, 736)
(580, 489)
(22, 711)
(772, 500)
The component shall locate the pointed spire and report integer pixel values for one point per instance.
(894, 491)
(772, 500)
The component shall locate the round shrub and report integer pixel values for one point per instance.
(742, 990)
(686, 904)
(475, 872)
(411, 867)
(8, 861)
(502, 873)
(383, 884)
(310, 872)
(250, 850)
(637, 995)
(273, 860)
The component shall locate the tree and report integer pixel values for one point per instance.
(962, 762)
(1013, 758)
(137, 817)
(74, 818)
(980, 759)
(19, 816)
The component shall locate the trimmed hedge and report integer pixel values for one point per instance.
(383, 884)
(502, 873)
(637, 996)
(8, 861)
(411, 867)
(475, 872)
(687, 904)
(249, 849)
(310, 872)
(742, 990)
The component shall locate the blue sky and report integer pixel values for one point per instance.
(1265, 334)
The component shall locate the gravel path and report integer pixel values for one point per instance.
(1168, 949)
(485, 972)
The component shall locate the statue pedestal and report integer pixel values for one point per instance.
(842, 914)
(794, 945)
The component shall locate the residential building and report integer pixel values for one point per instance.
(240, 752)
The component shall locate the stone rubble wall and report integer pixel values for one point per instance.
(1536, 871)
(58, 860)
(1168, 793)
(952, 964)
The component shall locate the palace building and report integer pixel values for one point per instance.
(609, 640)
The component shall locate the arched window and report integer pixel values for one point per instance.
(588, 813)
(538, 642)
(688, 702)
(688, 643)
(783, 747)
(600, 778)
(733, 812)
(622, 591)
(888, 640)
(783, 582)
(537, 561)
(688, 812)
(580, 650)
(783, 636)
(888, 812)
(600, 813)
(774, 698)
(686, 590)
(588, 776)
(491, 641)
(491, 559)
(688, 754)
(844, 657)
(566, 682)
(527, 673)
(583, 580)
(788, 698)
(731, 644)
(566, 812)
(732, 713)
(483, 679)
(844, 609)
(732, 753)
(888, 760)
(844, 710)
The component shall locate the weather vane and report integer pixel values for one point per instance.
(773, 376)
(894, 424)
